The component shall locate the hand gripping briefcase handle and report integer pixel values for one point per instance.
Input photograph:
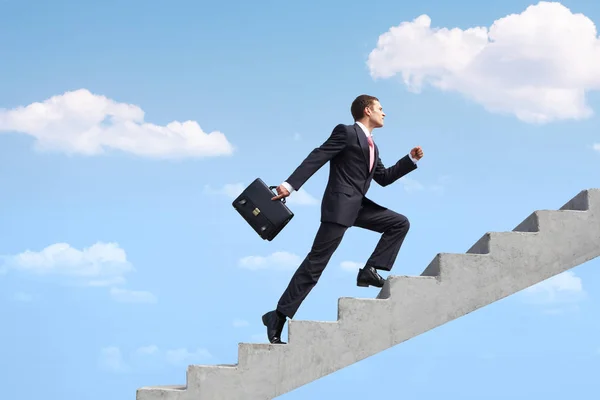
(275, 187)
(266, 216)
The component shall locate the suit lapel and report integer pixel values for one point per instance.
(364, 144)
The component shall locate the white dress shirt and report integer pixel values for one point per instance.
(367, 133)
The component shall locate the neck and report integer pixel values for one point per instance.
(367, 125)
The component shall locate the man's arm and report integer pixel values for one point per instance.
(385, 176)
(336, 142)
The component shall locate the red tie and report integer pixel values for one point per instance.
(371, 152)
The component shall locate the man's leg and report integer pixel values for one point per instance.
(393, 227)
(326, 241)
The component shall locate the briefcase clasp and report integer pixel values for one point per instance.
(256, 211)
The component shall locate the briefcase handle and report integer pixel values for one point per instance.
(275, 187)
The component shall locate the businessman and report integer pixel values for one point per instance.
(354, 163)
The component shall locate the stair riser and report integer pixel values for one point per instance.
(159, 394)
(495, 244)
(407, 286)
(354, 310)
(213, 381)
(306, 333)
(584, 200)
(250, 355)
(553, 221)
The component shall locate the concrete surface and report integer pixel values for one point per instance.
(499, 264)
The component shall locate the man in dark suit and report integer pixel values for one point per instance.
(354, 163)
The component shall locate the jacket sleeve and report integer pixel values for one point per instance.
(336, 142)
(385, 176)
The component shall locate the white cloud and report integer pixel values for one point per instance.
(564, 288)
(132, 296)
(536, 65)
(183, 355)
(276, 260)
(99, 265)
(96, 265)
(81, 122)
(111, 359)
(597, 146)
(233, 190)
(301, 198)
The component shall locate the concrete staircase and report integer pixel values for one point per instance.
(499, 264)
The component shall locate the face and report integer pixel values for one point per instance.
(375, 114)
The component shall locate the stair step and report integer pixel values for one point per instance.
(501, 244)
(451, 267)
(549, 222)
(585, 200)
(358, 310)
(202, 378)
(402, 287)
(306, 333)
(254, 354)
(166, 392)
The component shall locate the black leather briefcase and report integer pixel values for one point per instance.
(267, 217)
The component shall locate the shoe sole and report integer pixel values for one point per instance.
(368, 284)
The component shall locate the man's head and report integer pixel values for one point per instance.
(367, 110)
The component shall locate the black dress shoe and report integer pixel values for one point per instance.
(369, 276)
(274, 323)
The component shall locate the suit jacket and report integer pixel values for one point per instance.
(347, 150)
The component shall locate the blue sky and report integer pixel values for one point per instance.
(122, 260)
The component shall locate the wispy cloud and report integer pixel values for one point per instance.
(351, 266)
(132, 296)
(147, 350)
(185, 356)
(112, 360)
(151, 356)
(99, 265)
(281, 260)
(557, 294)
(80, 122)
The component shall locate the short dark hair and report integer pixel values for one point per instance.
(358, 105)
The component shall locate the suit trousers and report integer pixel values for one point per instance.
(393, 227)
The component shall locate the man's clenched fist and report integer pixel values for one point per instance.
(416, 153)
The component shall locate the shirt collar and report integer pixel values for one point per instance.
(364, 129)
